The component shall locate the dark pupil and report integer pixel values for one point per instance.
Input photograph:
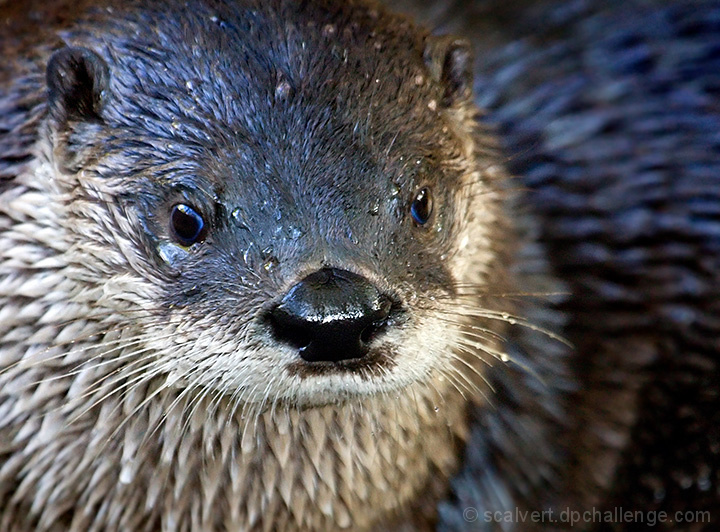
(186, 224)
(421, 207)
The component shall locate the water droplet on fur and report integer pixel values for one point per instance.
(419, 80)
(238, 218)
(295, 233)
(437, 409)
(374, 208)
(283, 91)
(192, 291)
(504, 357)
(271, 264)
(394, 190)
(432, 105)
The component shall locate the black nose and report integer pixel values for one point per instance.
(331, 315)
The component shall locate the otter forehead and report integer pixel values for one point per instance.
(240, 73)
(293, 118)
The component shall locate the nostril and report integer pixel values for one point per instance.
(369, 333)
(287, 330)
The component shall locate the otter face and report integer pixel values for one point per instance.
(304, 225)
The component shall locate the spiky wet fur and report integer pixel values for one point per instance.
(99, 433)
(120, 413)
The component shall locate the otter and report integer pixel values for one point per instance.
(266, 267)
(244, 248)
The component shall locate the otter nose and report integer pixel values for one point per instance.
(331, 315)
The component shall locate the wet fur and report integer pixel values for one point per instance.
(139, 389)
(105, 425)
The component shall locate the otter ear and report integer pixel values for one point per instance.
(449, 60)
(77, 80)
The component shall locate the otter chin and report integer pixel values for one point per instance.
(252, 260)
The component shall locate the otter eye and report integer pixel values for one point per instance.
(187, 226)
(422, 206)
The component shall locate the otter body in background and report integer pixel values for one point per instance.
(257, 270)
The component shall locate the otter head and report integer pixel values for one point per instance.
(281, 209)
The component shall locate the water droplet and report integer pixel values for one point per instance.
(271, 264)
(192, 291)
(504, 357)
(295, 233)
(432, 105)
(419, 80)
(394, 190)
(238, 218)
(283, 91)
(374, 207)
(246, 253)
(329, 30)
(351, 236)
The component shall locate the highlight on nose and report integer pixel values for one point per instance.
(331, 315)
